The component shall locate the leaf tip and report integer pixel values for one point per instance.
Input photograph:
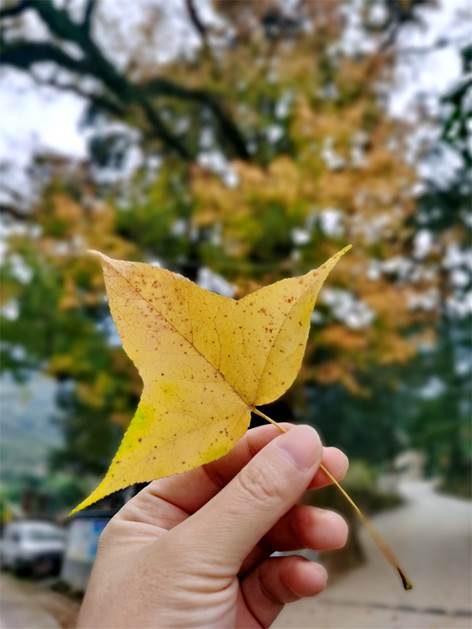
(93, 497)
(98, 254)
(76, 509)
(94, 252)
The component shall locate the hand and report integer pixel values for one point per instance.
(193, 550)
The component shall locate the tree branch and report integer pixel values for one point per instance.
(99, 100)
(59, 22)
(24, 54)
(197, 22)
(55, 19)
(170, 139)
(165, 87)
(11, 211)
(90, 7)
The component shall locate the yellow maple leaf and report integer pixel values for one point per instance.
(206, 362)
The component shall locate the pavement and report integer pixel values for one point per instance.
(432, 536)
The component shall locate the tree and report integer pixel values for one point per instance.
(440, 422)
(168, 103)
(114, 92)
(315, 163)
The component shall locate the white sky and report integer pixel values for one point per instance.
(34, 118)
(435, 72)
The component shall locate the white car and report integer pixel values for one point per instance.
(33, 546)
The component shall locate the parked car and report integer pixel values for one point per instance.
(33, 546)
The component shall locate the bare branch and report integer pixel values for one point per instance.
(120, 94)
(90, 7)
(13, 212)
(197, 22)
(99, 100)
(24, 54)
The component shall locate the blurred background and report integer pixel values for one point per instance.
(239, 142)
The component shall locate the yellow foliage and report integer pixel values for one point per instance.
(333, 371)
(342, 338)
(396, 350)
(390, 302)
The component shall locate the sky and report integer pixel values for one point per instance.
(42, 119)
(434, 71)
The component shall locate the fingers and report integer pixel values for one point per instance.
(191, 490)
(265, 489)
(277, 581)
(307, 527)
(302, 527)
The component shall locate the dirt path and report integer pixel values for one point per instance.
(432, 534)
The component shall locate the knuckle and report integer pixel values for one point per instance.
(259, 484)
(109, 534)
(104, 537)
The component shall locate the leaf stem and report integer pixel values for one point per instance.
(376, 536)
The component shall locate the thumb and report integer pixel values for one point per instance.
(263, 491)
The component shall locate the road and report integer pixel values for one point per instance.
(432, 535)
(31, 605)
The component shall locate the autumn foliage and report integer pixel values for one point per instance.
(325, 165)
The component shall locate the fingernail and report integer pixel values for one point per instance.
(303, 445)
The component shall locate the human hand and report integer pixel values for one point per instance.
(193, 550)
